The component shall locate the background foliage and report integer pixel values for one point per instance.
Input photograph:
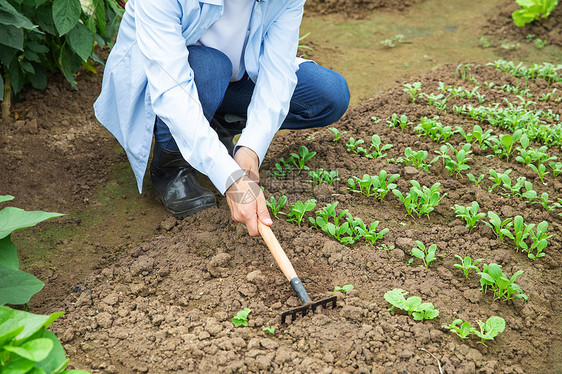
(41, 36)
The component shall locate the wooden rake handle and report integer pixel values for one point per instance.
(283, 262)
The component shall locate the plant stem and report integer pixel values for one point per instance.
(6, 104)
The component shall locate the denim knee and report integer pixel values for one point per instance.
(212, 70)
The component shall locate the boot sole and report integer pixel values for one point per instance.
(187, 212)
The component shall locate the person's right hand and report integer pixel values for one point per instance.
(247, 204)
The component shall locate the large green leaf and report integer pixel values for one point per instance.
(66, 14)
(11, 36)
(16, 286)
(34, 350)
(81, 41)
(495, 325)
(396, 297)
(8, 331)
(17, 365)
(31, 322)
(14, 218)
(56, 361)
(10, 16)
(8, 253)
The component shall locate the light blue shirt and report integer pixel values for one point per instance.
(148, 74)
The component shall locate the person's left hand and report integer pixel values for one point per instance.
(249, 162)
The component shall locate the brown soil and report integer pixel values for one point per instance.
(355, 8)
(501, 25)
(166, 305)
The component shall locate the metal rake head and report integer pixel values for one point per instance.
(303, 310)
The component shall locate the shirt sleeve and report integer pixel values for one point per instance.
(276, 80)
(173, 93)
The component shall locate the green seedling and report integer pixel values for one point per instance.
(301, 158)
(270, 330)
(337, 133)
(458, 163)
(353, 144)
(433, 129)
(498, 178)
(377, 186)
(539, 241)
(499, 228)
(545, 202)
(530, 194)
(421, 199)
(467, 264)
(521, 232)
(276, 206)
(391, 43)
(505, 146)
(344, 289)
(442, 153)
(384, 247)
(469, 214)
(513, 190)
(413, 89)
(321, 176)
(540, 170)
(475, 180)
(503, 287)
(462, 329)
(341, 232)
(556, 168)
(376, 150)
(483, 137)
(401, 121)
(370, 233)
(241, 318)
(427, 255)
(417, 159)
(489, 330)
(413, 305)
(299, 209)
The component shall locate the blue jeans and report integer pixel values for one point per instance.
(321, 96)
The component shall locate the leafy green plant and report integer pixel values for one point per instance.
(459, 327)
(466, 264)
(427, 255)
(538, 241)
(27, 347)
(532, 10)
(413, 89)
(241, 318)
(503, 287)
(401, 121)
(475, 180)
(322, 176)
(368, 233)
(505, 145)
(489, 330)
(281, 168)
(459, 162)
(16, 286)
(377, 186)
(521, 232)
(344, 289)
(413, 305)
(434, 130)
(499, 227)
(377, 150)
(276, 206)
(556, 168)
(299, 209)
(540, 170)
(301, 158)
(417, 159)
(40, 37)
(469, 214)
(337, 133)
(270, 330)
(420, 199)
(353, 144)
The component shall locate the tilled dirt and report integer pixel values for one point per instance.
(166, 305)
(501, 26)
(355, 8)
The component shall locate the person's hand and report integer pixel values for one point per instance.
(245, 198)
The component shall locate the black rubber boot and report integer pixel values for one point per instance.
(227, 127)
(175, 184)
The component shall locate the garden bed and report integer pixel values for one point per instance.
(167, 304)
